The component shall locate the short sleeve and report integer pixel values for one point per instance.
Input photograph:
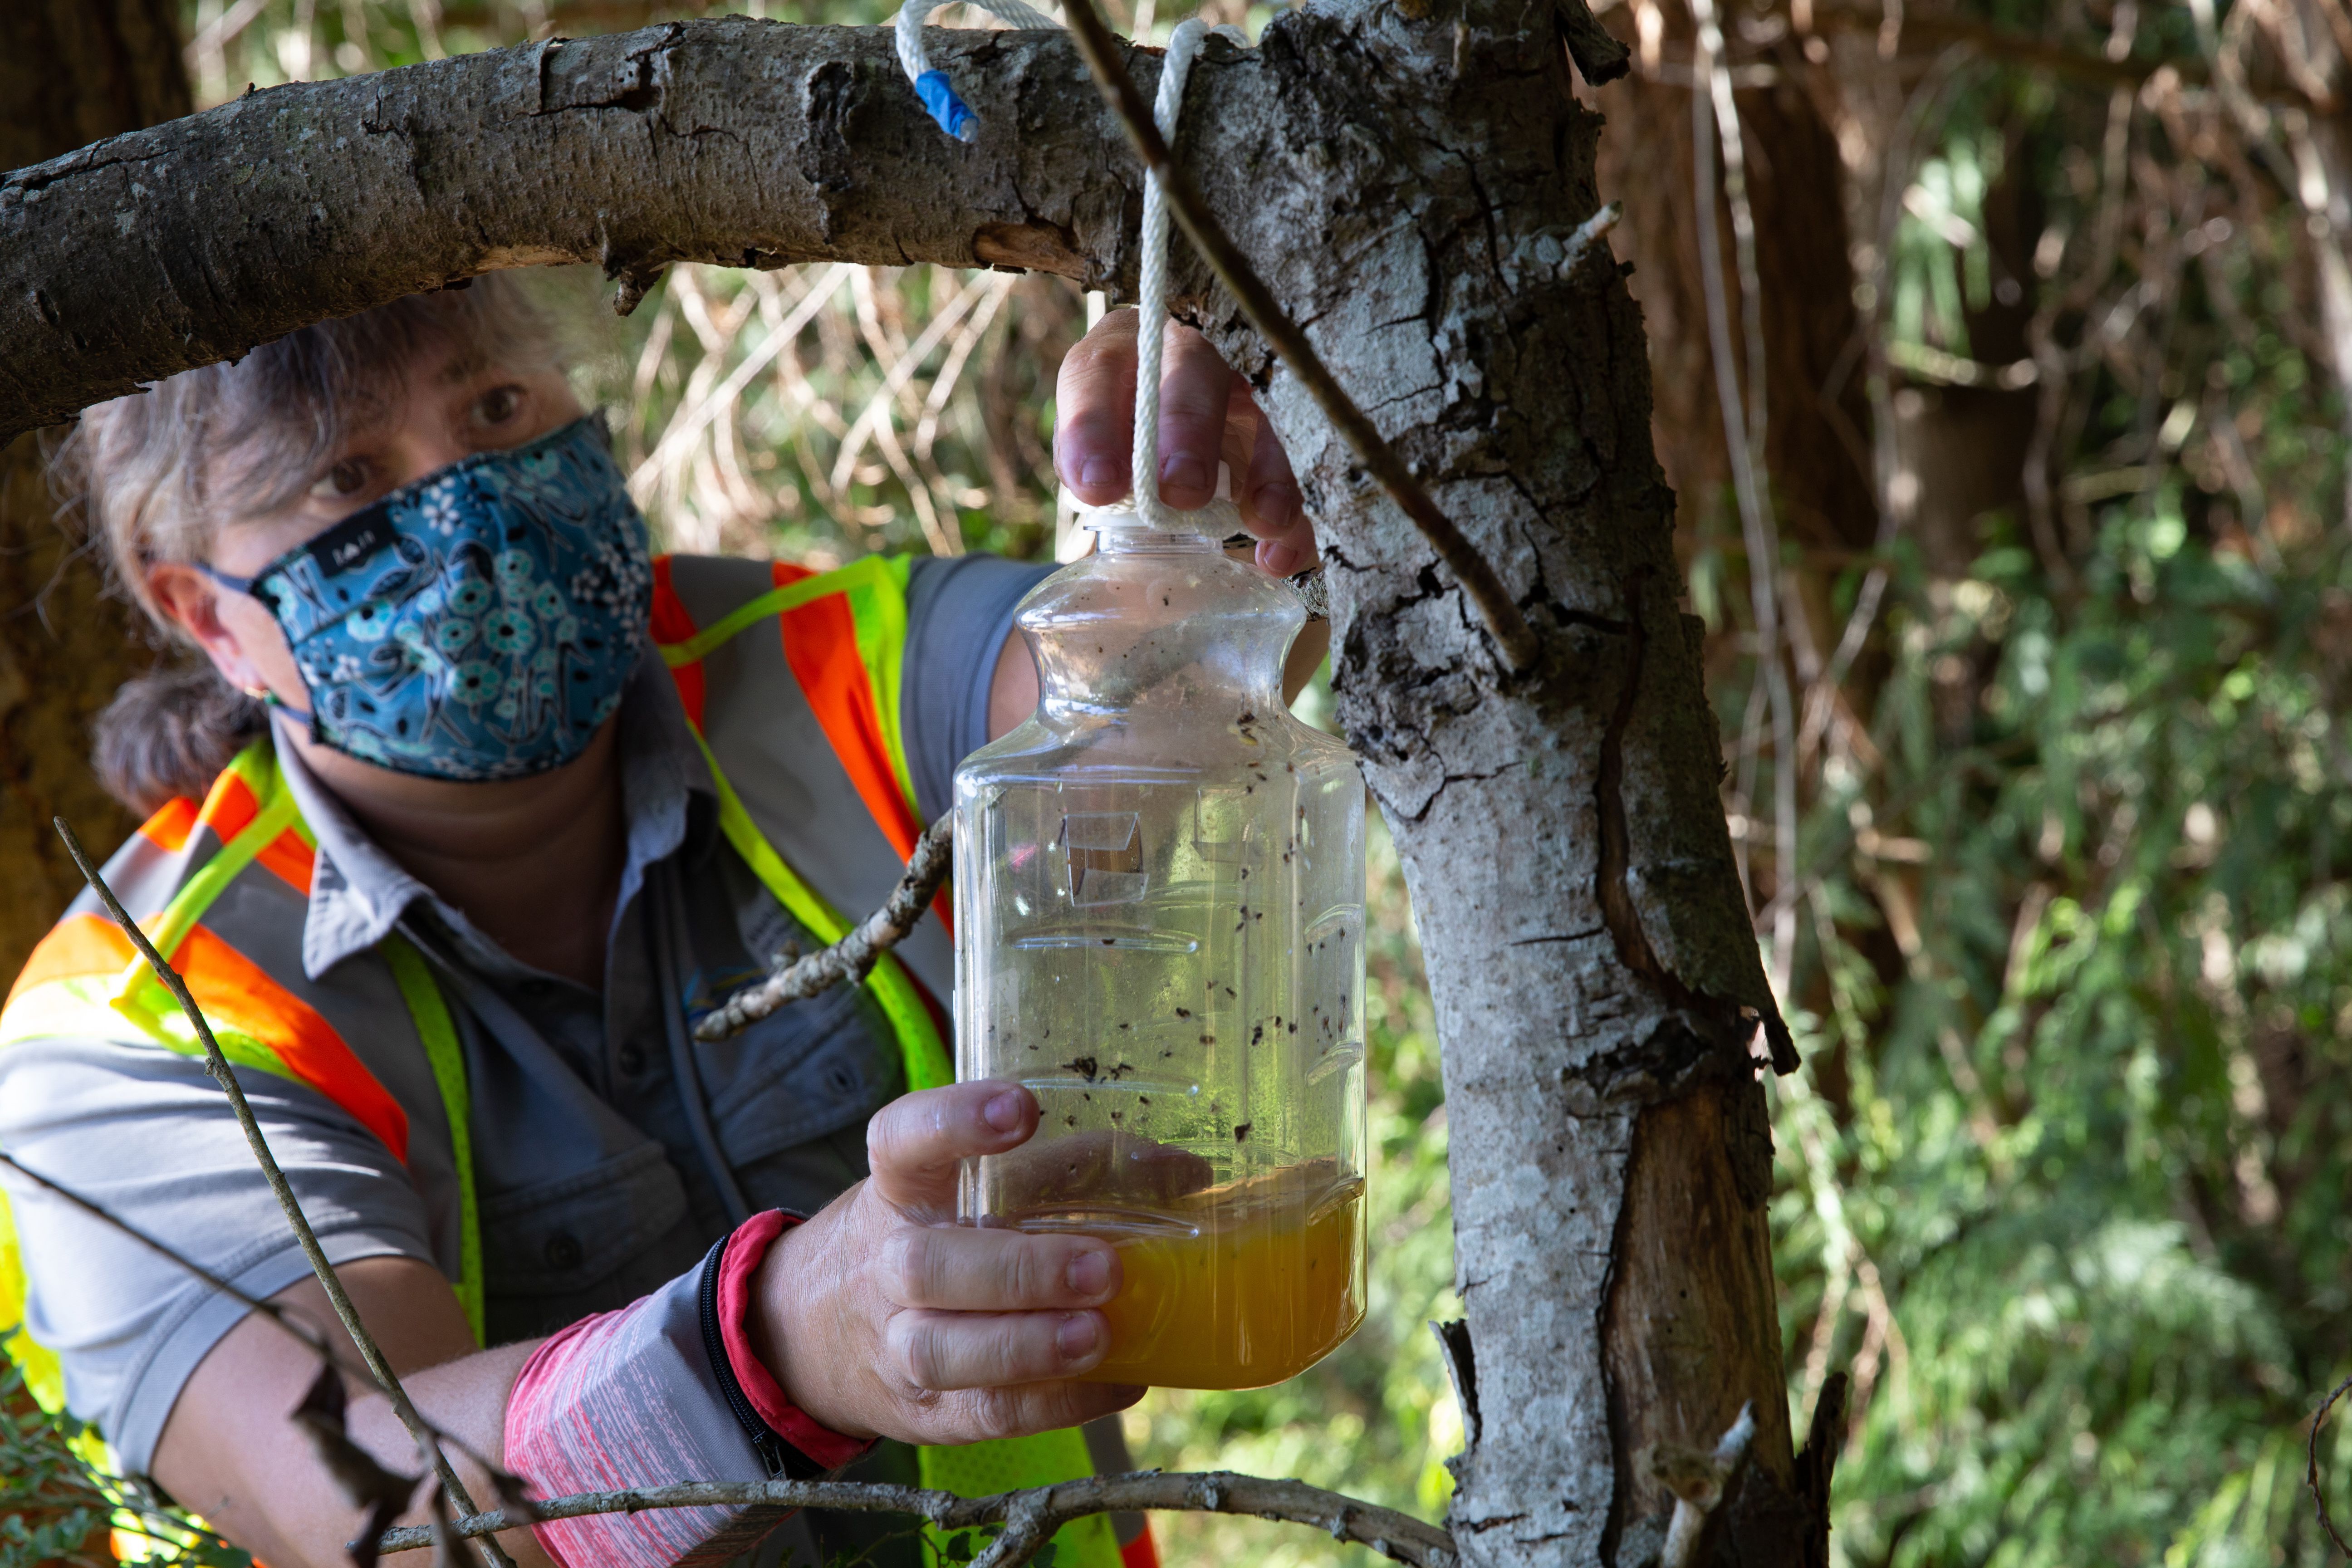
(959, 612)
(146, 1135)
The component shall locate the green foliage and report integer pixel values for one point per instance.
(2063, 1177)
(57, 1512)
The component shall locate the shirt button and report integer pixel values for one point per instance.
(563, 1250)
(633, 1060)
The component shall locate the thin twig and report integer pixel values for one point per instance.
(853, 956)
(298, 1328)
(1715, 117)
(1036, 1513)
(2311, 1466)
(1511, 632)
(419, 1429)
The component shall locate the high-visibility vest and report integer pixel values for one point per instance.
(230, 876)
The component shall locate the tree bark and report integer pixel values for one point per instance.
(1409, 180)
(71, 71)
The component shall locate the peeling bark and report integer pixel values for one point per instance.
(1408, 180)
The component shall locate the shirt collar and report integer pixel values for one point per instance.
(359, 893)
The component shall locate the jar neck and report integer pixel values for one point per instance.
(1140, 538)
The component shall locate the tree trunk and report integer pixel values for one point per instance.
(71, 71)
(1409, 180)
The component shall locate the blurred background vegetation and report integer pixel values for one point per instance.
(2002, 351)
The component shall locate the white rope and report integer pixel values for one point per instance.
(931, 85)
(1219, 515)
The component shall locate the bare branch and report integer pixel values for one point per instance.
(853, 956)
(425, 1434)
(1034, 1514)
(1519, 643)
(2311, 1465)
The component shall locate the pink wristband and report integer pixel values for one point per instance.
(746, 1250)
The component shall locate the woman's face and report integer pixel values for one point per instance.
(452, 405)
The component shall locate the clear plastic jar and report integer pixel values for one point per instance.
(1159, 920)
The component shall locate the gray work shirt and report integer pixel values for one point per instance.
(594, 1186)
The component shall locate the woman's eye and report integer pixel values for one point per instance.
(344, 480)
(499, 404)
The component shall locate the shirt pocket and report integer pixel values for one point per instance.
(564, 1237)
(812, 1067)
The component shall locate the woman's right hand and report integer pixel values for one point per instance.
(882, 1317)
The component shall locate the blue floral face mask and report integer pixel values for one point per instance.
(479, 624)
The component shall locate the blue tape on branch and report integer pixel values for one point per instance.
(954, 117)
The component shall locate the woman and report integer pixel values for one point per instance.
(476, 808)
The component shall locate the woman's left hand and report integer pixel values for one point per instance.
(1206, 416)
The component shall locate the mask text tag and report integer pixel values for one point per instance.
(351, 540)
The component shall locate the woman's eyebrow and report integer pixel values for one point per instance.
(463, 365)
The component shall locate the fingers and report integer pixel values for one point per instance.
(1093, 403)
(1273, 509)
(945, 1351)
(1195, 393)
(914, 1145)
(984, 1412)
(1206, 417)
(961, 1268)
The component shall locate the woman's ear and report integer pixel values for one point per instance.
(238, 634)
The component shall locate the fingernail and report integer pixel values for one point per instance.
(1096, 472)
(1003, 1113)
(1276, 505)
(1279, 559)
(1182, 472)
(1077, 1336)
(1089, 1272)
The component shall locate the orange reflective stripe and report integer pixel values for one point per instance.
(77, 946)
(229, 806)
(821, 643)
(673, 624)
(236, 994)
(172, 822)
(291, 859)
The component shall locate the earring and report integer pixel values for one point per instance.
(263, 695)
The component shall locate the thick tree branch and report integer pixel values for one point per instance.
(1034, 1514)
(1472, 570)
(422, 1432)
(853, 957)
(741, 143)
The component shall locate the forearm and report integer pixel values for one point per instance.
(233, 1453)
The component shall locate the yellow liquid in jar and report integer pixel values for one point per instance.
(1257, 1280)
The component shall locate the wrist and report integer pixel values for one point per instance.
(785, 1329)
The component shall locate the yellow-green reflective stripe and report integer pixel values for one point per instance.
(90, 1004)
(430, 1013)
(275, 815)
(878, 611)
(1010, 1464)
(920, 1047)
(774, 602)
(45, 1378)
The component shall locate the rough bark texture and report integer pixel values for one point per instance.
(1406, 179)
(1586, 941)
(742, 142)
(70, 71)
